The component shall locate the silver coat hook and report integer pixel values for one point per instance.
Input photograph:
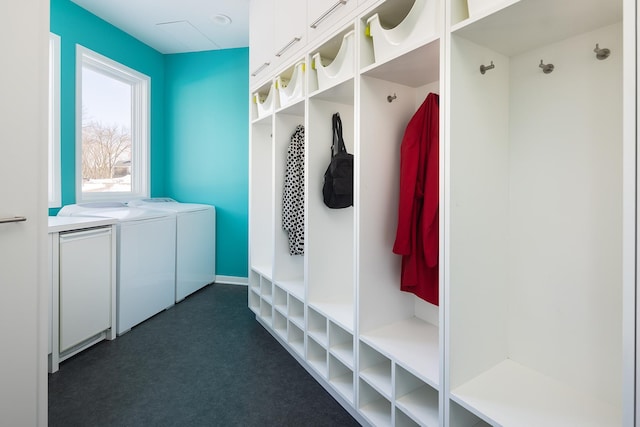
(601, 53)
(390, 98)
(546, 68)
(485, 68)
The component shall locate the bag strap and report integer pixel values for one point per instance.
(338, 142)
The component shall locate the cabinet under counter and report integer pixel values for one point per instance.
(82, 300)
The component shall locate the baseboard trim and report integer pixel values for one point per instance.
(232, 280)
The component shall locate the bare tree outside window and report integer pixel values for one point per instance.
(112, 129)
(106, 134)
(106, 152)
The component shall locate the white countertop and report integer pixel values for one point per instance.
(66, 223)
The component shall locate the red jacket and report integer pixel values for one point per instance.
(417, 233)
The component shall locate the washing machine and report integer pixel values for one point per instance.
(195, 242)
(145, 259)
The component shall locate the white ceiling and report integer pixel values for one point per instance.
(177, 26)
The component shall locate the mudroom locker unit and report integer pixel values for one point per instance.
(536, 319)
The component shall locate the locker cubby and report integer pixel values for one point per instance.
(266, 290)
(527, 217)
(412, 343)
(280, 300)
(394, 28)
(341, 345)
(317, 327)
(291, 84)
(375, 369)
(254, 281)
(288, 269)
(265, 100)
(266, 312)
(295, 338)
(280, 324)
(373, 406)
(317, 356)
(461, 417)
(341, 378)
(296, 312)
(334, 62)
(415, 398)
(294, 287)
(261, 199)
(330, 237)
(404, 421)
(395, 323)
(254, 301)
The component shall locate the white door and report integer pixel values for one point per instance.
(23, 188)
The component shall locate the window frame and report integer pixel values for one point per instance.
(54, 171)
(140, 124)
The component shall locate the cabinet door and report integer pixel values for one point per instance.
(260, 40)
(85, 285)
(322, 15)
(290, 30)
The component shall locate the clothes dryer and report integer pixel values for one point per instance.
(145, 259)
(195, 242)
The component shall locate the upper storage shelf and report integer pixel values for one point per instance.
(265, 101)
(335, 69)
(290, 85)
(420, 24)
(399, 42)
(415, 68)
(534, 23)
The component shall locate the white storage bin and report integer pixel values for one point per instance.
(420, 23)
(341, 68)
(480, 7)
(291, 89)
(266, 104)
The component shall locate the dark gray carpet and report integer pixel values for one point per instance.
(204, 362)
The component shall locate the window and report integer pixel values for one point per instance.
(112, 137)
(54, 121)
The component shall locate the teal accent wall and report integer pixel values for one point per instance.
(199, 123)
(75, 25)
(207, 155)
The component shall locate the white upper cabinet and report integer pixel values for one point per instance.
(324, 14)
(290, 31)
(261, 39)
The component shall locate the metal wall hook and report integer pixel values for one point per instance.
(390, 98)
(485, 68)
(546, 68)
(601, 53)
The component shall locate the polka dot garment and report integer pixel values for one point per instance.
(293, 195)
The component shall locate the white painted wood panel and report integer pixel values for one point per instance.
(23, 177)
(85, 285)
